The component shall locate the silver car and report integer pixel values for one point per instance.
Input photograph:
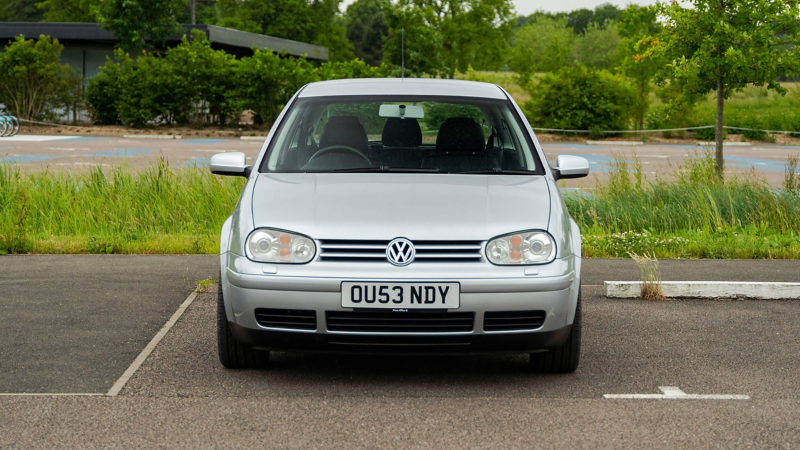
(400, 216)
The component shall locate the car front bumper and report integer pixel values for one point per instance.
(555, 295)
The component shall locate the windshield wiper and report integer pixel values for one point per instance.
(388, 170)
(499, 172)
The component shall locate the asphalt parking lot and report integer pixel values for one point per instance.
(81, 153)
(73, 324)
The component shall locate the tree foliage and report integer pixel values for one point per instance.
(423, 44)
(543, 45)
(367, 28)
(33, 82)
(598, 46)
(312, 21)
(725, 45)
(474, 32)
(134, 22)
(20, 11)
(636, 23)
(580, 19)
(70, 10)
(580, 98)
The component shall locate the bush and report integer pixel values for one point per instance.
(580, 98)
(192, 80)
(33, 82)
(708, 134)
(267, 81)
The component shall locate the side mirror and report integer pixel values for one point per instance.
(231, 163)
(570, 167)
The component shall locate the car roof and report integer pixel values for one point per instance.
(403, 86)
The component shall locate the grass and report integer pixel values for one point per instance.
(159, 210)
(180, 211)
(694, 217)
(650, 275)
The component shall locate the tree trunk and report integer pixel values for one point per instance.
(192, 4)
(720, 108)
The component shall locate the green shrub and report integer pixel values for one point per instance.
(33, 82)
(708, 134)
(580, 98)
(101, 94)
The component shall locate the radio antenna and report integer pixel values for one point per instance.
(402, 53)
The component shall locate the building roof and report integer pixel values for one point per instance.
(405, 86)
(239, 43)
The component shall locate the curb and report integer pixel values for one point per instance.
(152, 136)
(725, 144)
(630, 143)
(708, 289)
(253, 138)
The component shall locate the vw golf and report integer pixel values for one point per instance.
(400, 216)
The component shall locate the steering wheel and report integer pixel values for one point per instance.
(334, 148)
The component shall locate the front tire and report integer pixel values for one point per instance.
(232, 354)
(562, 359)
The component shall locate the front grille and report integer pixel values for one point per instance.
(296, 319)
(375, 251)
(513, 320)
(400, 322)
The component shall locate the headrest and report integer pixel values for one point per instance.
(460, 135)
(344, 130)
(401, 133)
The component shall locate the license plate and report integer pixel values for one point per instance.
(400, 295)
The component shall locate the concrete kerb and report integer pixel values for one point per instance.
(253, 138)
(725, 144)
(621, 143)
(708, 289)
(152, 136)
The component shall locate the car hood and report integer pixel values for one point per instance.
(414, 206)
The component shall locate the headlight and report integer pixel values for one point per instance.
(277, 246)
(525, 247)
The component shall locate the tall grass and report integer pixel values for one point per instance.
(695, 216)
(164, 210)
(159, 210)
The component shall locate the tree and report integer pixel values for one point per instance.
(312, 21)
(544, 45)
(20, 11)
(70, 10)
(423, 44)
(474, 32)
(367, 29)
(133, 22)
(598, 46)
(725, 45)
(33, 82)
(635, 23)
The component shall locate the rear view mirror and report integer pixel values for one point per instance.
(231, 163)
(402, 111)
(568, 166)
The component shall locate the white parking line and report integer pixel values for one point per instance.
(150, 347)
(675, 393)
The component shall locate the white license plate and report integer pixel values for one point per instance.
(400, 295)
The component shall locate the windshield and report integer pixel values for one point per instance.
(408, 134)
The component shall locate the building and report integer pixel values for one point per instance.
(86, 45)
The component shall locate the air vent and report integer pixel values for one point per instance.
(295, 319)
(513, 320)
(400, 322)
(375, 251)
